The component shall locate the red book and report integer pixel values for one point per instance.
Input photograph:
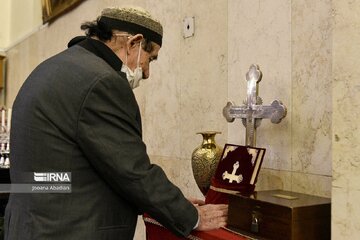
(237, 171)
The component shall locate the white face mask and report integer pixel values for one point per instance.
(135, 76)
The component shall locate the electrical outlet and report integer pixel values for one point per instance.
(189, 27)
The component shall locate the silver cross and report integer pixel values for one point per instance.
(232, 176)
(253, 111)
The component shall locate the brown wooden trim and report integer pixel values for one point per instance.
(52, 9)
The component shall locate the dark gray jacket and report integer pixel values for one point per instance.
(76, 114)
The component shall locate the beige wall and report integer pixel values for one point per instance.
(18, 20)
(345, 121)
(5, 23)
(306, 52)
(291, 41)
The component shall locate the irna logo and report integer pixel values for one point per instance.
(52, 177)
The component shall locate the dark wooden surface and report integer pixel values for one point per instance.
(297, 216)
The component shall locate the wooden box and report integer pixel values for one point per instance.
(280, 215)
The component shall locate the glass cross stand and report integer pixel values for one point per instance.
(5, 138)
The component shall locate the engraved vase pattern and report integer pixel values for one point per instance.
(205, 159)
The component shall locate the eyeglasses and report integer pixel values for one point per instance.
(122, 35)
(154, 58)
(151, 59)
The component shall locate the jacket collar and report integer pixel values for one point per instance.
(99, 49)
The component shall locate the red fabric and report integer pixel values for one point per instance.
(154, 231)
(219, 234)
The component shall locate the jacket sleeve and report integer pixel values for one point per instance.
(109, 133)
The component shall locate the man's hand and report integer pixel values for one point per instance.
(196, 201)
(212, 216)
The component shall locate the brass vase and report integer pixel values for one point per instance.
(204, 160)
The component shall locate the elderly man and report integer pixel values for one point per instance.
(76, 113)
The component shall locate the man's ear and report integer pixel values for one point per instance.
(133, 40)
